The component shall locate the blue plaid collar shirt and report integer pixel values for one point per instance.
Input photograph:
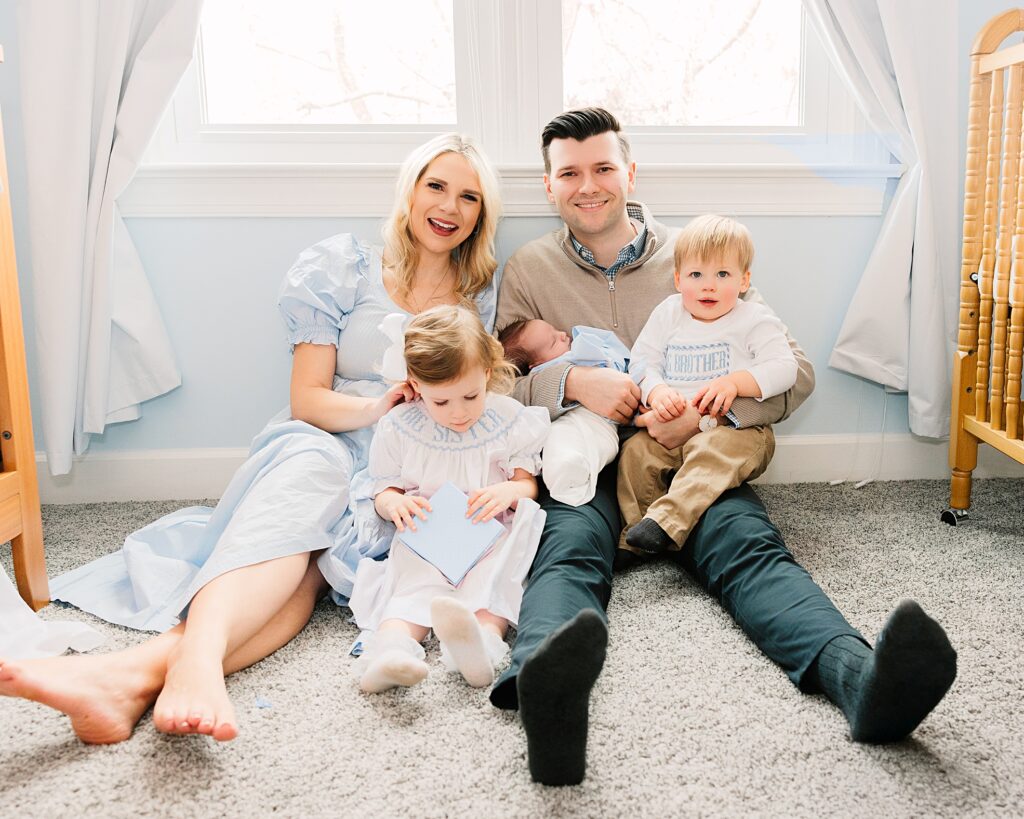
(629, 254)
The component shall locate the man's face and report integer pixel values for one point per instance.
(589, 184)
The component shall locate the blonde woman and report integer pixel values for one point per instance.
(248, 573)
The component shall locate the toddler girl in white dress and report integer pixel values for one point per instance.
(458, 429)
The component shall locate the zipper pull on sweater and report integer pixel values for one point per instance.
(611, 295)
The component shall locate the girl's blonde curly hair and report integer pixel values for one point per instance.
(443, 342)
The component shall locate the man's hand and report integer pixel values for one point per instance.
(717, 397)
(672, 433)
(666, 403)
(604, 391)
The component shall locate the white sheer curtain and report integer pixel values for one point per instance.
(96, 77)
(899, 58)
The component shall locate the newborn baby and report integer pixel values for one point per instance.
(581, 443)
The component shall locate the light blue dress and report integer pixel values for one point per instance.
(292, 494)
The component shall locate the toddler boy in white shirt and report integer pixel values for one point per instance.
(705, 346)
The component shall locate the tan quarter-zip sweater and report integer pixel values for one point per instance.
(546, 279)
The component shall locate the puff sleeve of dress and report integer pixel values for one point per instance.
(321, 289)
(527, 436)
(385, 458)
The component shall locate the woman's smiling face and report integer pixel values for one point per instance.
(446, 204)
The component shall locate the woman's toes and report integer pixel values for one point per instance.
(225, 732)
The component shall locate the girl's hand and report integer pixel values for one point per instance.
(666, 403)
(493, 500)
(402, 509)
(398, 394)
(717, 397)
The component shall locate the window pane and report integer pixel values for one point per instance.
(684, 62)
(329, 62)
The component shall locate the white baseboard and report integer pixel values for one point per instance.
(141, 474)
(186, 474)
(819, 458)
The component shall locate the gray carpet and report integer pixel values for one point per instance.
(687, 718)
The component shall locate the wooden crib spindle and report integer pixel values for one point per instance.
(1007, 216)
(988, 254)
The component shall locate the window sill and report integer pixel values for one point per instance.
(367, 190)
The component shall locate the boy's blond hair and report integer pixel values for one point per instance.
(443, 342)
(711, 236)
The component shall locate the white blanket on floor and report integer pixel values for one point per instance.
(24, 634)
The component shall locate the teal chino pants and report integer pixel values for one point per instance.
(734, 552)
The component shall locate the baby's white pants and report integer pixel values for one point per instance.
(580, 444)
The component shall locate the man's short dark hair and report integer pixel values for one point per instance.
(581, 124)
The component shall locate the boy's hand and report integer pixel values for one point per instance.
(717, 397)
(397, 394)
(402, 509)
(492, 500)
(666, 403)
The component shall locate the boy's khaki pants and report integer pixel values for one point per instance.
(708, 464)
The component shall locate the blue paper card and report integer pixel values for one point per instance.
(449, 540)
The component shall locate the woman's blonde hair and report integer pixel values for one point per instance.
(474, 259)
(443, 342)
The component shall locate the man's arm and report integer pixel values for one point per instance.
(750, 412)
(560, 388)
(545, 388)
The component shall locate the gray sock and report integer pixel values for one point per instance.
(886, 693)
(554, 686)
(649, 537)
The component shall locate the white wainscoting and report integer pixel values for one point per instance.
(186, 474)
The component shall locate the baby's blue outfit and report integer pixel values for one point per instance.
(292, 495)
(592, 347)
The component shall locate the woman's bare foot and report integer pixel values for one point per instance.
(194, 699)
(105, 696)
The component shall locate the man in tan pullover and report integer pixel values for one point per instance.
(609, 266)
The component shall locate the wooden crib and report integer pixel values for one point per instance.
(987, 364)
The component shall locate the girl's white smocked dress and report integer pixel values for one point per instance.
(412, 452)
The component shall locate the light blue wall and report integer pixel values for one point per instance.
(216, 280)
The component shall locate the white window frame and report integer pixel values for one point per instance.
(506, 51)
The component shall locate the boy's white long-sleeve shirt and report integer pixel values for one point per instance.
(686, 354)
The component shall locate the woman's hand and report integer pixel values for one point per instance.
(492, 500)
(401, 509)
(397, 394)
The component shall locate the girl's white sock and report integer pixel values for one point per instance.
(465, 646)
(392, 660)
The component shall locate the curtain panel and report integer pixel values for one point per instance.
(96, 77)
(899, 59)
